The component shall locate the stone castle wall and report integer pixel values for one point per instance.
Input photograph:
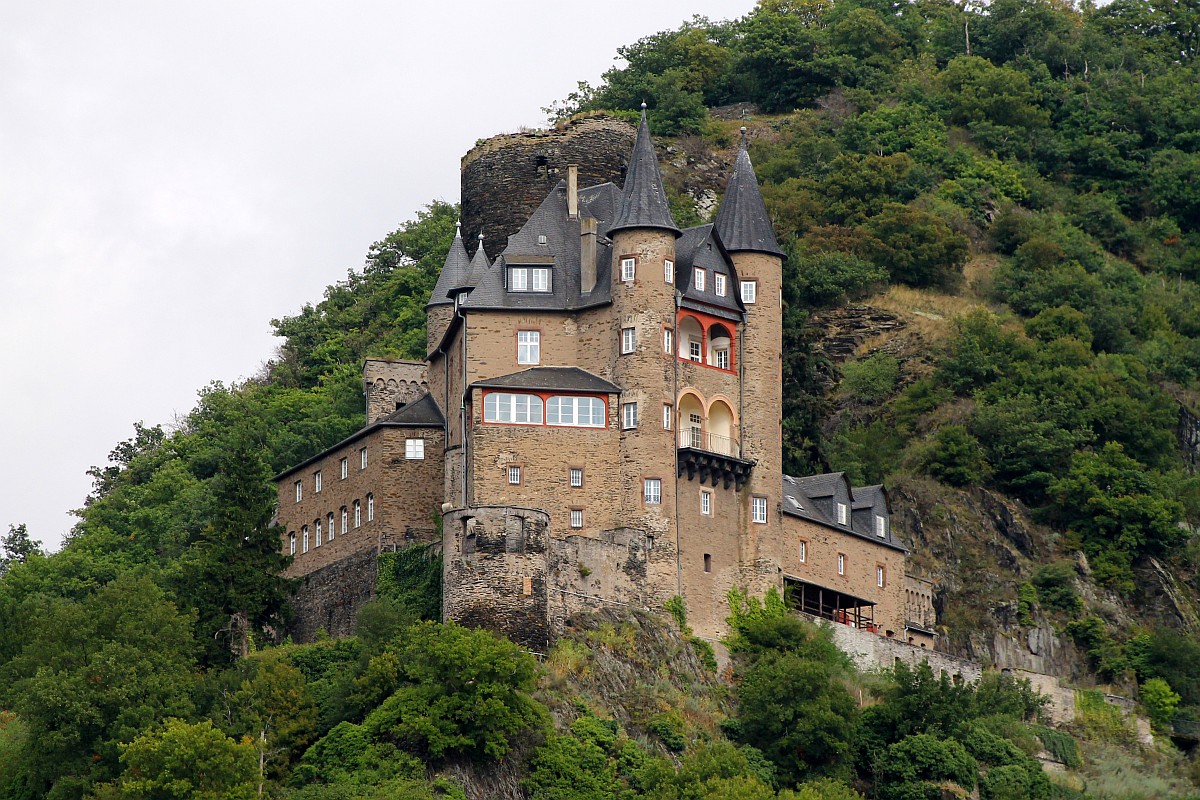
(329, 598)
(390, 383)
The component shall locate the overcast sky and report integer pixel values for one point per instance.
(173, 175)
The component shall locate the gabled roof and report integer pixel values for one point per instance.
(804, 497)
(566, 379)
(453, 271)
(701, 247)
(644, 200)
(742, 220)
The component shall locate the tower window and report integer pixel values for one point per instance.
(628, 269)
(758, 509)
(669, 271)
(629, 415)
(652, 491)
(529, 347)
(668, 416)
(706, 503)
(668, 340)
(628, 340)
(576, 477)
(514, 475)
(749, 292)
(576, 517)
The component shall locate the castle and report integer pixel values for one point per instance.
(598, 421)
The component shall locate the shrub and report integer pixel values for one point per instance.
(871, 379)
(924, 757)
(1055, 585)
(1160, 702)
(956, 457)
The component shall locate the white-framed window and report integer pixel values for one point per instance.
(758, 509)
(357, 514)
(542, 239)
(698, 278)
(318, 529)
(344, 467)
(628, 269)
(577, 412)
(299, 490)
(695, 350)
(370, 507)
(629, 415)
(514, 475)
(628, 340)
(721, 359)
(362, 458)
(669, 271)
(803, 551)
(719, 284)
(345, 520)
(695, 430)
(304, 543)
(292, 543)
(652, 491)
(843, 513)
(576, 517)
(881, 526)
(528, 279)
(749, 292)
(668, 416)
(518, 409)
(331, 526)
(576, 477)
(529, 347)
(317, 482)
(706, 502)
(841, 561)
(880, 575)
(414, 449)
(668, 340)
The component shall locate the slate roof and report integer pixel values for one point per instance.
(477, 270)
(567, 379)
(742, 221)
(699, 247)
(454, 269)
(644, 200)
(800, 497)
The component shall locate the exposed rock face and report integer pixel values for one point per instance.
(846, 329)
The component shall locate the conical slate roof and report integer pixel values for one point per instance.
(644, 201)
(742, 220)
(478, 267)
(453, 271)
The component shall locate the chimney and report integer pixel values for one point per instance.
(587, 254)
(572, 192)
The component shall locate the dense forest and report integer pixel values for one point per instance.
(1020, 181)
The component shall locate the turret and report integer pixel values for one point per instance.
(440, 307)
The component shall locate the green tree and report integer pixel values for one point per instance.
(16, 547)
(1160, 702)
(915, 247)
(183, 761)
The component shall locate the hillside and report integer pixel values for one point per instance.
(992, 221)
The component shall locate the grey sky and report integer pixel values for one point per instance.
(173, 175)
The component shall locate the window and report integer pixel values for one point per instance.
(881, 526)
(841, 563)
(362, 458)
(628, 269)
(668, 416)
(344, 466)
(706, 502)
(579, 412)
(414, 449)
(842, 513)
(299, 491)
(669, 271)
(317, 528)
(880, 575)
(542, 238)
(629, 416)
(708, 562)
(719, 284)
(758, 509)
(513, 408)
(529, 347)
(528, 279)
(668, 340)
(698, 278)
(357, 514)
(721, 358)
(652, 491)
(576, 477)
(345, 517)
(749, 292)
(695, 350)
(514, 475)
(292, 543)
(317, 482)
(332, 527)
(803, 551)
(304, 543)
(370, 507)
(628, 340)
(695, 430)
(576, 517)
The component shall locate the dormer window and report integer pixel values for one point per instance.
(542, 239)
(881, 526)
(698, 279)
(528, 279)
(719, 284)
(842, 513)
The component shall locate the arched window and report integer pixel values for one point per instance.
(691, 339)
(691, 422)
(344, 517)
(370, 507)
(331, 526)
(357, 514)
(292, 543)
(720, 429)
(317, 528)
(304, 530)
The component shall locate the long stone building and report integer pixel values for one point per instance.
(598, 421)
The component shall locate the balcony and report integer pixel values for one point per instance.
(712, 458)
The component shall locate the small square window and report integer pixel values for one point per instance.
(749, 292)
(719, 284)
(803, 551)
(708, 562)
(344, 466)
(758, 509)
(668, 340)
(669, 271)
(317, 482)
(706, 503)
(841, 561)
(299, 491)
(514, 476)
(629, 415)
(628, 340)
(529, 347)
(698, 278)
(576, 517)
(628, 269)
(576, 477)
(668, 416)
(414, 449)
(695, 350)
(652, 491)
(362, 458)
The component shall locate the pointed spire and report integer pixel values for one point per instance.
(742, 221)
(476, 269)
(644, 201)
(453, 270)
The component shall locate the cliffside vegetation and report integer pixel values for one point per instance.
(1016, 187)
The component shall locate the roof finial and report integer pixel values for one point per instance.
(743, 143)
(481, 235)
(457, 228)
(643, 105)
